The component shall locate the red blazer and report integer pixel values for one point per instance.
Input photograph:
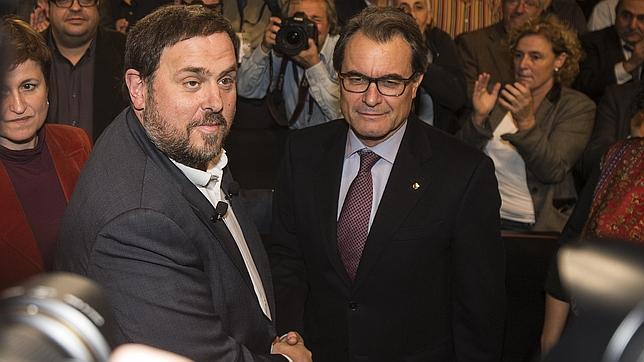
(19, 252)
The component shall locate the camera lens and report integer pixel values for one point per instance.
(293, 37)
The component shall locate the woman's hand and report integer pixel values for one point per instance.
(517, 98)
(483, 100)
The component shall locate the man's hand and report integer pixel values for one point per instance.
(637, 57)
(292, 345)
(483, 100)
(517, 98)
(270, 33)
(308, 57)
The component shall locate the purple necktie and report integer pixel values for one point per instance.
(353, 224)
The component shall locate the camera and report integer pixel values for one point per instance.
(54, 317)
(294, 34)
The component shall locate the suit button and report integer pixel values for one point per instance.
(354, 306)
(534, 190)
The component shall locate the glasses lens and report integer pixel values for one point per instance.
(87, 2)
(63, 3)
(390, 87)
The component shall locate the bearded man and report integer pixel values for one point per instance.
(153, 219)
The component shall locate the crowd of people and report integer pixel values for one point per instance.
(420, 131)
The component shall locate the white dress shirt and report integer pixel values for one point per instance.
(209, 184)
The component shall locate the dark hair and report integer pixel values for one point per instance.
(562, 39)
(167, 26)
(23, 43)
(382, 24)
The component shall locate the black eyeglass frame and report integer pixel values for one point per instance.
(95, 3)
(405, 82)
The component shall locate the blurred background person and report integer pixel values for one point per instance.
(39, 164)
(442, 91)
(614, 55)
(87, 66)
(486, 50)
(305, 82)
(535, 128)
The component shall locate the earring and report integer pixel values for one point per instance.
(556, 69)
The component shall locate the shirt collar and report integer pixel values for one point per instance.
(386, 149)
(208, 178)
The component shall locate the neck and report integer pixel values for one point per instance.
(539, 94)
(19, 146)
(72, 49)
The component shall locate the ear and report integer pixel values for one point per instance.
(561, 60)
(414, 85)
(136, 88)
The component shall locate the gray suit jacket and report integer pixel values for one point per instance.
(486, 50)
(550, 149)
(170, 270)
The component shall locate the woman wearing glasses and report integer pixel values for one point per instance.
(535, 128)
(39, 164)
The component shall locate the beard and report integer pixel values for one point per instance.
(175, 142)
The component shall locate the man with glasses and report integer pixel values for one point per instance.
(385, 243)
(487, 51)
(86, 69)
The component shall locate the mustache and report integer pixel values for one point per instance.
(210, 119)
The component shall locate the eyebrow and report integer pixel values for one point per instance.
(389, 75)
(204, 72)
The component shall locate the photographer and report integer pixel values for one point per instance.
(301, 89)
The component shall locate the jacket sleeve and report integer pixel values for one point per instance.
(253, 75)
(550, 156)
(478, 260)
(470, 61)
(444, 79)
(594, 76)
(287, 262)
(153, 279)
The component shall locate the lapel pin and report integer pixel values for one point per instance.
(415, 186)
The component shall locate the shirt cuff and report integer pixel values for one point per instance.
(316, 73)
(621, 75)
(285, 356)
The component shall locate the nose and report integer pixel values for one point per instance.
(16, 103)
(520, 9)
(372, 96)
(75, 6)
(523, 62)
(213, 101)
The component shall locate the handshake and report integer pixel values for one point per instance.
(292, 346)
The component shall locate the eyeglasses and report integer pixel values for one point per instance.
(69, 3)
(387, 86)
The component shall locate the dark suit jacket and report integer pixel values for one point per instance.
(109, 99)
(430, 284)
(444, 80)
(20, 255)
(614, 113)
(170, 270)
(486, 50)
(603, 50)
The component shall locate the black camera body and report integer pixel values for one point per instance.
(294, 34)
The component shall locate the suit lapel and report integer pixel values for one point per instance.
(254, 243)
(408, 181)
(200, 205)
(327, 190)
